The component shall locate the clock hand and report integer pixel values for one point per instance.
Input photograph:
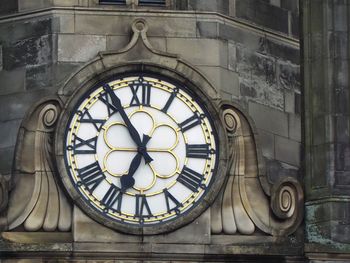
(127, 180)
(132, 131)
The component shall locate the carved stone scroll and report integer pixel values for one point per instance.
(37, 202)
(247, 202)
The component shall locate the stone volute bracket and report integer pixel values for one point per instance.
(246, 201)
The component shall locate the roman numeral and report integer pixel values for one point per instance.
(87, 118)
(142, 206)
(191, 179)
(108, 102)
(145, 94)
(168, 103)
(190, 123)
(80, 143)
(91, 176)
(113, 195)
(197, 151)
(169, 197)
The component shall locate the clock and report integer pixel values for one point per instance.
(140, 151)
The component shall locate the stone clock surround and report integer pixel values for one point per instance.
(139, 55)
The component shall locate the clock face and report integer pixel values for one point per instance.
(140, 151)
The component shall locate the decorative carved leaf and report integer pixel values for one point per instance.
(246, 204)
(43, 205)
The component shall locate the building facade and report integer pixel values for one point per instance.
(253, 131)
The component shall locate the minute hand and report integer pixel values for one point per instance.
(132, 131)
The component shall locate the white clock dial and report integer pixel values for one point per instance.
(140, 150)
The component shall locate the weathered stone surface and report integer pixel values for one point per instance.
(12, 81)
(289, 76)
(79, 48)
(269, 119)
(267, 143)
(246, 38)
(6, 159)
(287, 151)
(24, 29)
(1, 57)
(279, 50)
(16, 105)
(9, 131)
(294, 127)
(196, 51)
(28, 52)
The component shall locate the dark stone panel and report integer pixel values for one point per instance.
(298, 101)
(342, 157)
(16, 105)
(23, 29)
(342, 129)
(6, 159)
(8, 6)
(279, 51)
(341, 100)
(320, 165)
(275, 170)
(338, 42)
(181, 4)
(207, 29)
(220, 6)
(29, 52)
(295, 24)
(263, 14)
(340, 231)
(291, 5)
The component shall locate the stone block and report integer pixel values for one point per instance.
(205, 52)
(62, 71)
(66, 23)
(269, 119)
(267, 143)
(79, 48)
(25, 5)
(29, 52)
(197, 232)
(244, 37)
(287, 151)
(87, 230)
(27, 28)
(39, 77)
(6, 159)
(9, 130)
(276, 170)
(16, 105)
(222, 79)
(294, 127)
(289, 101)
(115, 43)
(279, 50)
(12, 81)
(207, 29)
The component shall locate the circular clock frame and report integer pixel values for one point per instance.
(173, 77)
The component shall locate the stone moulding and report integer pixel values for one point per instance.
(246, 203)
